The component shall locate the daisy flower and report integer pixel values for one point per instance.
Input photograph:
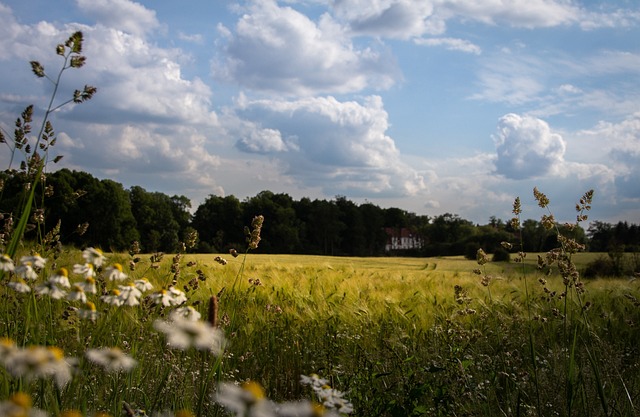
(25, 271)
(8, 348)
(20, 404)
(40, 362)
(111, 359)
(143, 284)
(113, 298)
(88, 311)
(88, 285)
(129, 294)
(247, 399)
(170, 297)
(186, 313)
(6, 263)
(86, 270)
(61, 277)
(36, 261)
(77, 293)
(51, 289)
(94, 256)
(114, 273)
(183, 334)
(19, 286)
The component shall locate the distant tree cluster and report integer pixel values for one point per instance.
(104, 214)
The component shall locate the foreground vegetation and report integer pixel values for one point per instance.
(401, 336)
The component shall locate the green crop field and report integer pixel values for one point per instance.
(394, 336)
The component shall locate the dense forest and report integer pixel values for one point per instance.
(102, 213)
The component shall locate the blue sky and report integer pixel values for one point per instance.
(433, 106)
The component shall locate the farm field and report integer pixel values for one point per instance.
(395, 336)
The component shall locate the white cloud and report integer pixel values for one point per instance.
(518, 13)
(142, 155)
(527, 148)
(124, 15)
(149, 124)
(401, 19)
(620, 144)
(340, 146)
(278, 49)
(452, 44)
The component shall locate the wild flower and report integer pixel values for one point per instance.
(36, 261)
(253, 235)
(246, 400)
(19, 285)
(19, 404)
(88, 285)
(86, 270)
(94, 256)
(26, 271)
(114, 273)
(186, 313)
(6, 263)
(169, 297)
(331, 398)
(143, 284)
(61, 277)
(88, 311)
(113, 298)
(303, 409)
(8, 348)
(51, 289)
(77, 294)
(111, 359)
(182, 334)
(129, 294)
(41, 362)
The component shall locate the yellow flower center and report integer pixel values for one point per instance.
(317, 410)
(115, 292)
(57, 353)
(184, 413)
(90, 280)
(7, 342)
(70, 413)
(90, 306)
(255, 389)
(118, 267)
(21, 399)
(64, 272)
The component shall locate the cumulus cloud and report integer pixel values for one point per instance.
(124, 15)
(527, 148)
(404, 19)
(279, 49)
(401, 19)
(148, 121)
(452, 44)
(518, 13)
(138, 80)
(177, 156)
(340, 146)
(621, 143)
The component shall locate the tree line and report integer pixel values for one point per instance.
(102, 213)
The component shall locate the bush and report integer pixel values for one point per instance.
(501, 255)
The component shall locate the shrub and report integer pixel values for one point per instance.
(501, 255)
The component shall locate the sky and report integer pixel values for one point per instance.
(431, 106)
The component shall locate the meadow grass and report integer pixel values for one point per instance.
(401, 336)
